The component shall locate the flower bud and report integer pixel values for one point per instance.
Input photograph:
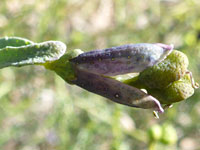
(169, 135)
(155, 132)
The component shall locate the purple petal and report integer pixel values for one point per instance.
(116, 91)
(122, 59)
(166, 47)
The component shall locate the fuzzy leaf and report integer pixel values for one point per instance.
(19, 52)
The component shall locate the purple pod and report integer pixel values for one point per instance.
(115, 90)
(122, 59)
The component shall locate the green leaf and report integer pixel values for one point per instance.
(19, 52)
(14, 41)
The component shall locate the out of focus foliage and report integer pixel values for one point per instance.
(39, 111)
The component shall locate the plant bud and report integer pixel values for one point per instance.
(169, 70)
(155, 132)
(175, 92)
(169, 135)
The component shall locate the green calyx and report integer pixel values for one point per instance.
(168, 81)
(161, 75)
(177, 91)
(63, 67)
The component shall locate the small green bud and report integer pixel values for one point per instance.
(169, 135)
(155, 132)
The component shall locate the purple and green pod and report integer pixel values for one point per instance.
(122, 59)
(91, 69)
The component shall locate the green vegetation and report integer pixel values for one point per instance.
(40, 111)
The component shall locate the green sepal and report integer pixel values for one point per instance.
(63, 67)
(167, 81)
(179, 90)
(135, 82)
(175, 92)
(169, 70)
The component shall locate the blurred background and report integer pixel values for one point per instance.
(39, 111)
